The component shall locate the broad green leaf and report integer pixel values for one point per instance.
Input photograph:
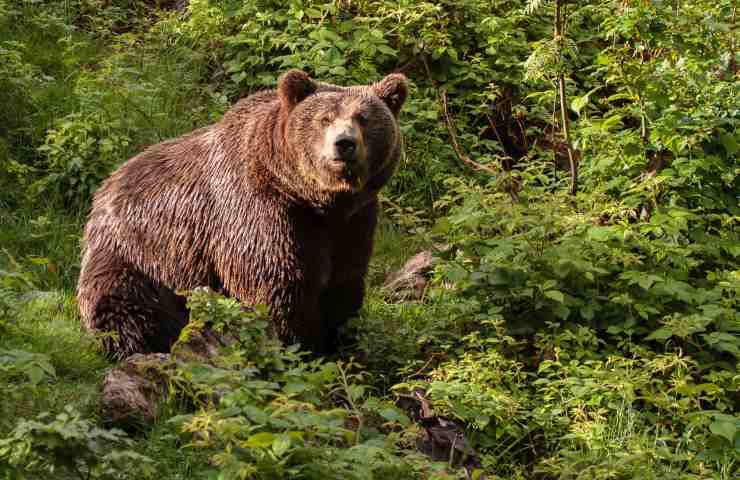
(579, 103)
(555, 295)
(562, 312)
(600, 234)
(662, 333)
(394, 415)
(387, 50)
(619, 96)
(260, 440)
(612, 121)
(729, 141)
(295, 387)
(281, 445)
(647, 281)
(587, 312)
(456, 273)
(725, 426)
(35, 374)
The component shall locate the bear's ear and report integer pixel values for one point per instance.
(393, 90)
(294, 86)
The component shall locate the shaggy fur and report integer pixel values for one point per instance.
(258, 206)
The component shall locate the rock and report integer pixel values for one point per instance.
(410, 282)
(132, 391)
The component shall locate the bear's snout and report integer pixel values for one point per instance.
(346, 147)
(343, 149)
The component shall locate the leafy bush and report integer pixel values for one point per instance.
(69, 444)
(551, 260)
(586, 410)
(81, 151)
(36, 367)
(279, 415)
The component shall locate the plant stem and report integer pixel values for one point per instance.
(559, 20)
(733, 50)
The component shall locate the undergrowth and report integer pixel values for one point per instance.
(587, 336)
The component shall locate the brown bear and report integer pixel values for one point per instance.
(275, 204)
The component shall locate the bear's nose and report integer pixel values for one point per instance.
(346, 148)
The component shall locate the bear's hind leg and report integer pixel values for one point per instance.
(141, 315)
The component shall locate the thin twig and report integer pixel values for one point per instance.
(442, 97)
(461, 156)
(428, 362)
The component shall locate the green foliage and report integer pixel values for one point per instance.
(590, 410)
(81, 100)
(36, 367)
(69, 444)
(80, 152)
(279, 415)
(594, 266)
(583, 337)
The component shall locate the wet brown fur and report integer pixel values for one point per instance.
(245, 207)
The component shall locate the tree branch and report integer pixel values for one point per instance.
(461, 156)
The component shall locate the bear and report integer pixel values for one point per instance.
(275, 204)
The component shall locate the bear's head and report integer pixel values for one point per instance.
(342, 138)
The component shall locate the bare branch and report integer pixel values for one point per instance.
(461, 156)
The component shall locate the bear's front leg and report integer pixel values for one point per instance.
(286, 267)
(352, 247)
(339, 303)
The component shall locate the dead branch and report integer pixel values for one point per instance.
(449, 123)
(442, 439)
(461, 156)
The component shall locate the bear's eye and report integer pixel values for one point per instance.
(325, 121)
(361, 118)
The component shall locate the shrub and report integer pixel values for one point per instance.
(80, 151)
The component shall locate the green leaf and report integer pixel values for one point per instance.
(600, 234)
(662, 333)
(730, 143)
(619, 96)
(725, 426)
(579, 103)
(39, 260)
(281, 445)
(261, 440)
(613, 121)
(587, 312)
(386, 50)
(35, 374)
(394, 415)
(647, 281)
(562, 312)
(455, 273)
(295, 387)
(555, 295)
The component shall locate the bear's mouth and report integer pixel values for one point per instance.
(350, 174)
